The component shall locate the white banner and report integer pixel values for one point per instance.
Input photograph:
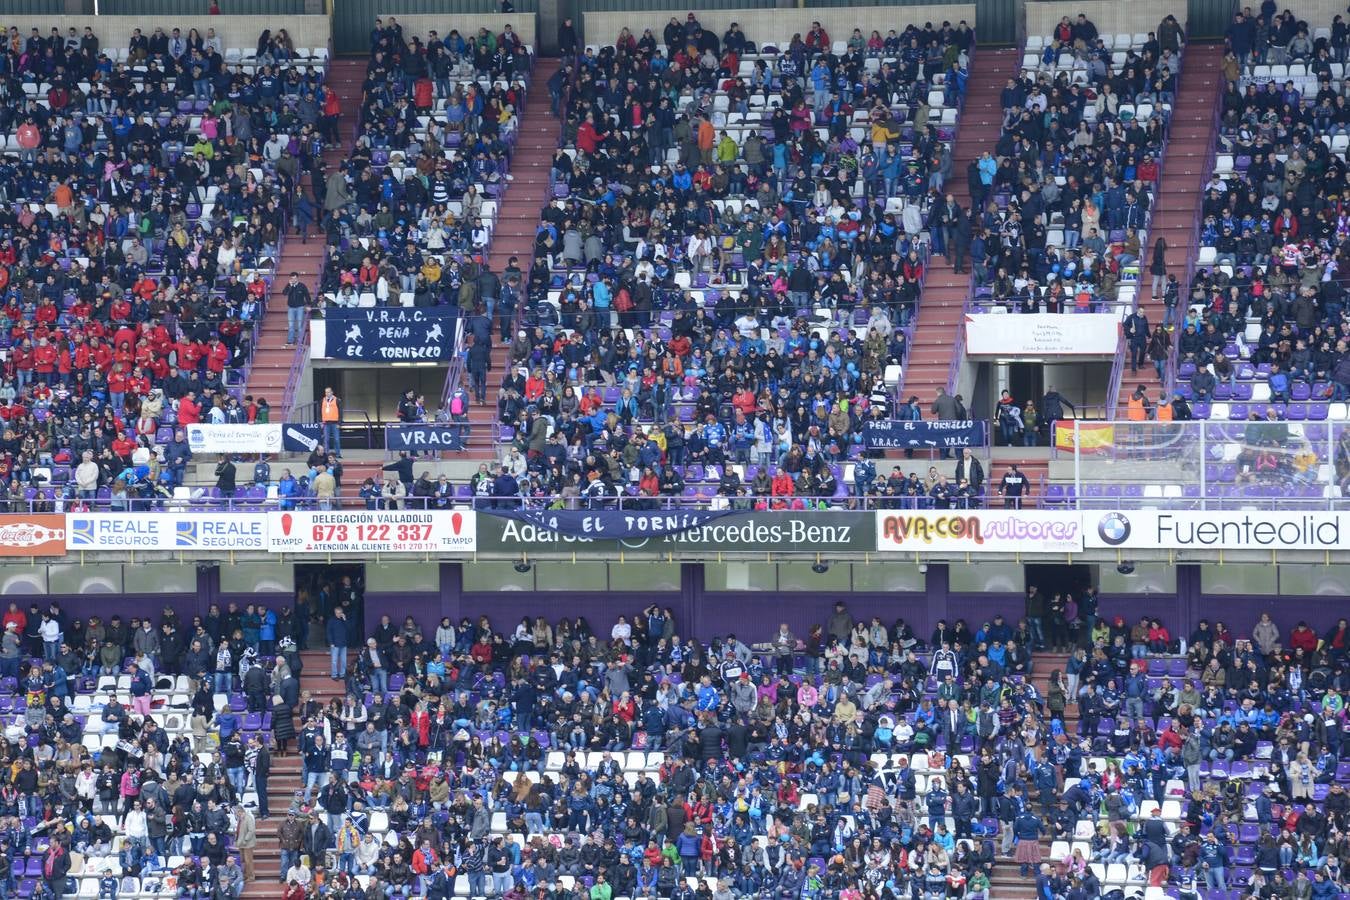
(1153, 529)
(166, 531)
(1042, 334)
(373, 531)
(979, 531)
(245, 438)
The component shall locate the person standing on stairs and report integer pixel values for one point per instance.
(298, 300)
(478, 362)
(1157, 267)
(330, 413)
(958, 237)
(1136, 335)
(262, 770)
(246, 836)
(336, 630)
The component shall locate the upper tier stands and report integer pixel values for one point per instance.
(1069, 188)
(410, 220)
(737, 241)
(1264, 334)
(147, 190)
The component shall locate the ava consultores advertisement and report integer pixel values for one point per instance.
(979, 531)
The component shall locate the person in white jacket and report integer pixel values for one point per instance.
(134, 826)
(86, 476)
(50, 631)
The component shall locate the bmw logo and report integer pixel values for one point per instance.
(1114, 529)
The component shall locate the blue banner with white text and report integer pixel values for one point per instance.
(904, 434)
(419, 438)
(389, 334)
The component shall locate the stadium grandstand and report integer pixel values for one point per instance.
(888, 452)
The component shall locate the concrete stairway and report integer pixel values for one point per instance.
(284, 782)
(517, 221)
(944, 291)
(1185, 170)
(272, 359)
(1005, 880)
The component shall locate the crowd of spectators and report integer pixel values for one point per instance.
(732, 257)
(409, 215)
(554, 760)
(1264, 332)
(1063, 199)
(147, 191)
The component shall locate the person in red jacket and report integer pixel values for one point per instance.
(101, 353)
(22, 361)
(217, 355)
(1303, 638)
(44, 360)
(189, 355)
(15, 615)
(189, 410)
(423, 92)
(589, 137)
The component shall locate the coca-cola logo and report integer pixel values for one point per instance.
(29, 534)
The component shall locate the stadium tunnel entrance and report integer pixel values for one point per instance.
(1060, 579)
(322, 588)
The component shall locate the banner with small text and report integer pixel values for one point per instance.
(254, 439)
(166, 531)
(1156, 529)
(1042, 334)
(385, 334)
(906, 434)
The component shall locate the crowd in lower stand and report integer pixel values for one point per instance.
(859, 759)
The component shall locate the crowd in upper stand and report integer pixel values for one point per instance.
(146, 192)
(733, 253)
(1265, 333)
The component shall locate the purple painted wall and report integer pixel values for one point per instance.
(752, 616)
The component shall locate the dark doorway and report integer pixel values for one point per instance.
(1053, 579)
(319, 589)
(1026, 381)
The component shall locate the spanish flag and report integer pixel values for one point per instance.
(1093, 437)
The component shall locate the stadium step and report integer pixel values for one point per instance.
(1185, 169)
(942, 303)
(272, 359)
(517, 220)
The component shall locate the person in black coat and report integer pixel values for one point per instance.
(225, 477)
(283, 724)
(318, 837)
(970, 469)
(262, 769)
